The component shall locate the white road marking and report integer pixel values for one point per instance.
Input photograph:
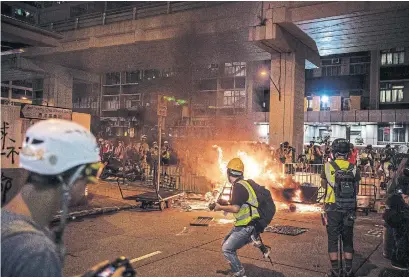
(145, 256)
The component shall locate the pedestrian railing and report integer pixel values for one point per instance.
(148, 9)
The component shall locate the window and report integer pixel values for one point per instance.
(391, 93)
(309, 104)
(398, 134)
(4, 92)
(209, 84)
(132, 101)
(234, 98)
(113, 78)
(111, 103)
(166, 73)
(133, 77)
(393, 56)
(360, 68)
(235, 69)
(234, 76)
(151, 74)
(384, 134)
(346, 104)
(333, 70)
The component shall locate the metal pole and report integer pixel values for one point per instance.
(160, 150)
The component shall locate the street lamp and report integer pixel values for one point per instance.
(264, 73)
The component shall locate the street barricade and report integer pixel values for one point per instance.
(309, 178)
(148, 191)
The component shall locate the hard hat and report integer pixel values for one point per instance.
(155, 142)
(165, 142)
(143, 137)
(54, 146)
(235, 167)
(340, 146)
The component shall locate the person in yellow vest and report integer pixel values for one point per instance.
(243, 204)
(340, 178)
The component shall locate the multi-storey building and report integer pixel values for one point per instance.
(351, 102)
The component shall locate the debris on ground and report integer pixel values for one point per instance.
(202, 221)
(225, 221)
(285, 230)
(195, 196)
(184, 231)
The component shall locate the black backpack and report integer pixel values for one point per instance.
(266, 207)
(345, 187)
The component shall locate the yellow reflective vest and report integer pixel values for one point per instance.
(247, 212)
(330, 176)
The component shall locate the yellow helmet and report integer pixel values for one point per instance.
(235, 167)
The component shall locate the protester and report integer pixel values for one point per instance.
(58, 155)
(244, 206)
(353, 156)
(340, 179)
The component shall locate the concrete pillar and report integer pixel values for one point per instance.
(374, 80)
(57, 90)
(287, 115)
(250, 68)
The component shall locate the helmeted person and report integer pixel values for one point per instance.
(244, 206)
(340, 178)
(60, 156)
(370, 155)
(143, 148)
(386, 158)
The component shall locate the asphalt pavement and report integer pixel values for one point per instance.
(164, 244)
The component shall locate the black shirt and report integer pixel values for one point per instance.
(240, 195)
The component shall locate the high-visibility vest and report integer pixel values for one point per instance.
(247, 212)
(330, 175)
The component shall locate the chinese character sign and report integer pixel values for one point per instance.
(10, 143)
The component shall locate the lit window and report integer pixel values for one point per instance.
(234, 98)
(393, 56)
(390, 93)
(398, 134)
(235, 69)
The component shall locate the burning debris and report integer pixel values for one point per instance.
(260, 165)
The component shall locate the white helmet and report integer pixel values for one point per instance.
(166, 142)
(53, 146)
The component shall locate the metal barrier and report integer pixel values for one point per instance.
(311, 174)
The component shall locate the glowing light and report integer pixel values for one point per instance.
(324, 99)
(263, 73)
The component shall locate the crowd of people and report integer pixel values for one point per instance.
(140, 152)
(371, 161)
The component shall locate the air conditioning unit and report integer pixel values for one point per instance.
(336, 61)
(399, 125)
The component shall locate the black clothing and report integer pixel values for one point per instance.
(240, 195)
(340, 223)
(397, 217)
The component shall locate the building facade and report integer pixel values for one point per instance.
(363, 97)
